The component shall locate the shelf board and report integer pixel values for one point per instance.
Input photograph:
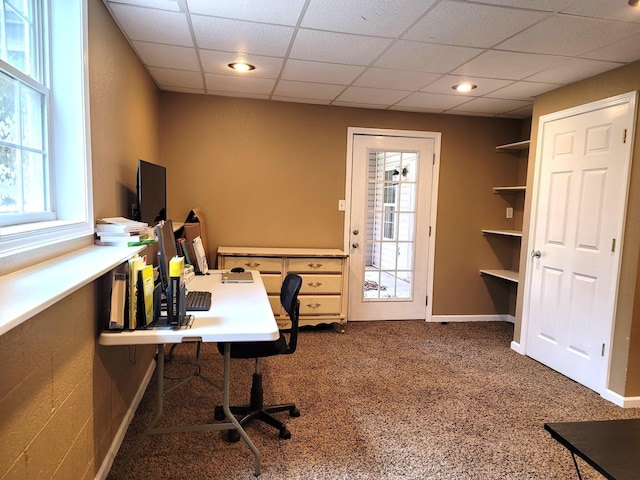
(509, 233)
(508, 275)
(515, 189)
(513, 147)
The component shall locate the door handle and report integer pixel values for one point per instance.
(355, 244)
(536, 253)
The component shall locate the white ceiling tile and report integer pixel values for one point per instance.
(217, 62)
(508, 65)
(475, 25)
(337, 47)
(524, 112)
(484, 85)
(238, 36)
(491, 105)
(237, 84)
(410, 55)
(317, 91)
(626, 50)
(177, 78)
(605, 9)
(171, 88)
(523, 90)
(395, 79)
(569, 35)
(149, 25)
(312, 101)
(167, 56)
(431, 100)
(282, 12)
(388, 18)
(159, 4)
(359, 105)
(544, 5)
(373, 96)
(306, 71)
(572, 70)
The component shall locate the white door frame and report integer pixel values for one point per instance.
(436, 137)
(631, 99)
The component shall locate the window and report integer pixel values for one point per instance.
(390, 190)
(44, 146)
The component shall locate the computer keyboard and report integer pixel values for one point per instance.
(198, 301)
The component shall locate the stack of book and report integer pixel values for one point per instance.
(122, 232)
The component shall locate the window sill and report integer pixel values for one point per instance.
(27, 292)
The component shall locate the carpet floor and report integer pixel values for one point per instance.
(384, 401)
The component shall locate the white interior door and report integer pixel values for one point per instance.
(392, 185)
(577, 222)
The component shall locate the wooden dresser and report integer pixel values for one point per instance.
(323, 296)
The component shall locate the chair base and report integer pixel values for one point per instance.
(256, 410)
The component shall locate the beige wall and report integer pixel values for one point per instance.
(62, 396)
(625, 360)
(271, 174)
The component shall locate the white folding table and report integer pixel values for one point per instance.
(240, 312)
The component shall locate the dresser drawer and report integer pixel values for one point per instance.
(302, 265)
(276, 306)
(321, 283)
(263, 264)
(320, 304)
(272, 282)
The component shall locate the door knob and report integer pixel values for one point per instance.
(536, 254)
(356, 231)
(355, 244)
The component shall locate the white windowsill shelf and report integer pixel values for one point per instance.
(27, 292)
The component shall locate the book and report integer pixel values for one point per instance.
(176, 295)
(146, 304)
(124, 238)
(136, 264)
(118, 300)
(129, 225)
(201, 259)
(237, 277)
(182, 244)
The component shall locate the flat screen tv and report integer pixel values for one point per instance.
(152, 193)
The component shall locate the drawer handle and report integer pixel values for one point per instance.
(314, 305)
(314, 285)
(314, 265)
(252, 264)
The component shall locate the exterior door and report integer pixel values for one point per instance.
(576, 231)
(389, 245)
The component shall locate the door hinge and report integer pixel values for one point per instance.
(613, 244)
(624, 136)
(429, 230)
(427, 302)
(602, 352)
(434, 159)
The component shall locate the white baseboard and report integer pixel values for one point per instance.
(517, 347)
(624, 402)
(473, 318)
(122, 430)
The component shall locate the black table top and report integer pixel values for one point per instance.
(612, 447)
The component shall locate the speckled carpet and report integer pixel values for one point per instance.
(384, 401)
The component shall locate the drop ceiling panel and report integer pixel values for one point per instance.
(385, 54)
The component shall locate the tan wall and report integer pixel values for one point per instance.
(271, 174)
(62, 396)
(623, 380)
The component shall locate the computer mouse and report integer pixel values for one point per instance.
(237, 269)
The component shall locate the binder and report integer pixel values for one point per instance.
(145, 305)
(176, 295)
(118, 300)
(136, 264)
(201, 258)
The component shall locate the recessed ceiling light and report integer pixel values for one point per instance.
(634, 3)
(465, 87)
(241, 67)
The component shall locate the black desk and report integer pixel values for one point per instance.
(612, 447)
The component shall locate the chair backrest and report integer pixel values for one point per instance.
(289, 300)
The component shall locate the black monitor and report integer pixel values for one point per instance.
(166, 250)
(151, 188)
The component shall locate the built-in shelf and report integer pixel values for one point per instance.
(509, 233)
(514, 189)
(513, 147)
(509, 275)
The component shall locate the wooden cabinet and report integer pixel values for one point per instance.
(514, 196)
(324, 276)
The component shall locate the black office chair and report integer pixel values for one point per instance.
(256, 408)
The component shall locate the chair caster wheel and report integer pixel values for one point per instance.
(233, 436)
(285, 434)
(218, 414)
(294, 412)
